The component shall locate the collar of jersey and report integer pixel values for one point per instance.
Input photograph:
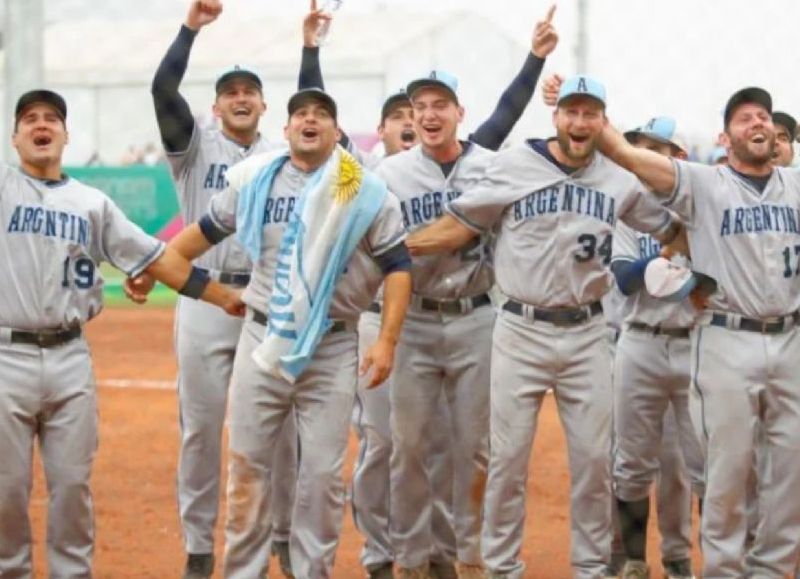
(52, 183)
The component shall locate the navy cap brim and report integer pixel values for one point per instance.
(301, 97)
(750, 95)
(38, 96)
(394, 101)
(416, 85)
(237, 75)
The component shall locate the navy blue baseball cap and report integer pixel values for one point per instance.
(394, 100)
(45, 96)
(314, 94)
(238, 72)
(582, 85)
(436, 78)
(750, 95)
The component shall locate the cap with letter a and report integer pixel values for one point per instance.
(436, 78)
(582, 85)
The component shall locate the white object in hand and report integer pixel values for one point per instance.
(329, 7)
(668, 281)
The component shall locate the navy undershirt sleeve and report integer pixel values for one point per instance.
(212, 233)
(175, 120)
(630, 274)
(510, 107)
(396, 259)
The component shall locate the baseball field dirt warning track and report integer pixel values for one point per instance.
(138, 530)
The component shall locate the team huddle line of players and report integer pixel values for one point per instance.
(429, 298)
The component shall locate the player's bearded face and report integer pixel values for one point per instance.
(579, 122)
(397, 130)
(239, 106)
(40, 136)
(751, 135)
(312, 133)
(436, 117)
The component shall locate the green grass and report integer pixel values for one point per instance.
(114, 296)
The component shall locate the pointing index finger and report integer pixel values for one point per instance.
(313, 5)
(549, 18)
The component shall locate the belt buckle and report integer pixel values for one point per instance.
(44, 340)
(448, 307)
(577, 316)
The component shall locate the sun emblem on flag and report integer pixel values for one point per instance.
(349, 179)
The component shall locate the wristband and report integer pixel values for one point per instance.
(196, 284)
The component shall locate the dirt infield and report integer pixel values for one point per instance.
(138, 531)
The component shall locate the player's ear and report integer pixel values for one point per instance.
(66, 136)
(460, 113)
(555, 116)
(286, 131)
(215, 110)
(263, 106)
(724, 139)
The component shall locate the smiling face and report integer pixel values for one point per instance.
(750, 135)
(39, 137)
(239, 106)
(436, 117)
(578, 120)
(397, 129)
(312, 134)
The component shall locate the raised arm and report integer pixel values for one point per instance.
(654, 170)
(310, 70)
(175, 120)
(445, 234)
(495, 130)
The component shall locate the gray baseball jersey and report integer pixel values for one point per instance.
(53, 238)
(56, 235)
(631, 245)
(199, 172)
(423, 190)
(758, 233)
(357, 286)
(555, 234)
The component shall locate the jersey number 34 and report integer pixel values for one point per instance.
(589, 248)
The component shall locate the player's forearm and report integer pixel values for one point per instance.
(173, 270)
(175, 120)
(656, 171)
(446, 234)
(310, 70)
(190, 243)
(495, 130)
(396, 295)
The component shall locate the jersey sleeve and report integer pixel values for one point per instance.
(625, 245)
(643, 212)
(687, 178)
(123, 243)
(180, 161)
(481, 207)
(222, 209)
(387, 229)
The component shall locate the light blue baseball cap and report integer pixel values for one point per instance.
(436, 78)
(718, 155)
(660, 129)
(582, 85)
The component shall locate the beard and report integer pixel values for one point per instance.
(742, 151)
(565, 145)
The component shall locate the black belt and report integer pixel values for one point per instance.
(460, 306)
(557, 316)
(660, 331)
(751, 325)
(375, 308)
(228, 278)
(261, 318)
(45, 338)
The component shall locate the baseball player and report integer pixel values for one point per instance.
(785, 131)
(322, 395)
(205, 338)
(55, 233)
(654, 437)
(554, 204)
(370, 495)
(742, 222)
(445, 343)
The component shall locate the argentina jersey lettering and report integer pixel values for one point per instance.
(569, 199)
(425, 208)
(39, 220)
(760, 219)
(215, 177)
